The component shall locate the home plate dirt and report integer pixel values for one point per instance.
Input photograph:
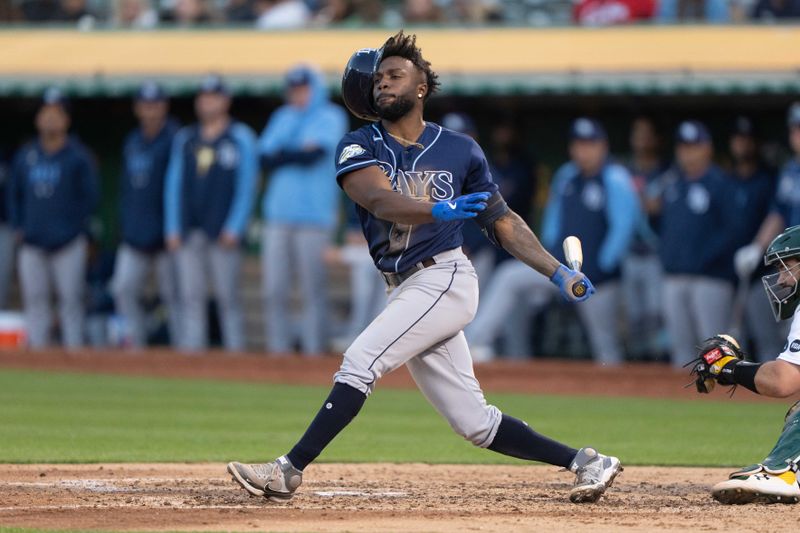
(371, 497)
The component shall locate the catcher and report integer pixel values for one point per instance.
(774, 479)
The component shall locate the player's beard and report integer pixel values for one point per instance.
(399, 108)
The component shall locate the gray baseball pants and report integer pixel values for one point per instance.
(695, 308)
(196, 259)
(6, 262)
(288, 249)
(127, 286)
(642, 287)
(513, 280)
(421, 327)
(768, 334)
(66, 269)
(367, 292)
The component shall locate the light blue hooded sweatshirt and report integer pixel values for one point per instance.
(304, 194)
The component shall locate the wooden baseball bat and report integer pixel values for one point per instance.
(573, 253)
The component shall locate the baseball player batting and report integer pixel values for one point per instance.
(414, 184)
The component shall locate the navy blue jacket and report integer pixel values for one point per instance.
(51, 196)
(787, 195)
(699, 226)
(4, 177)
(144, 166)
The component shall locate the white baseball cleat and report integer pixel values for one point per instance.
(759, 487)
(275, 481)
(594, 473)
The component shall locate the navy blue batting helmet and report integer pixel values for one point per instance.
(357, 83)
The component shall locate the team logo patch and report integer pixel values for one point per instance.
(698, 199)
(349, 151)
(795, 346)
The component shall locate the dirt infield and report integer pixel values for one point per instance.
(375, 497)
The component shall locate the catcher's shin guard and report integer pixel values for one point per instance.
(786, 453)
(774, 480)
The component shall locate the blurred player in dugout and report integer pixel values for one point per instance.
(784, 212)
(753, 194)
(300, 209)
(592, 198)
(642, 276)
(6, 235)
(698, 231)
(210, 188)
(52, 193)
(145, 156)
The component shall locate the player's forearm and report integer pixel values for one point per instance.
(516, 237)
(394, 207)
(778, 379)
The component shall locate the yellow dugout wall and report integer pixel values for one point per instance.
(466, 51)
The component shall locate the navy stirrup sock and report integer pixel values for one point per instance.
(516, 439)
(343, 404)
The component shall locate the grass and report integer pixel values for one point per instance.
(74, 418)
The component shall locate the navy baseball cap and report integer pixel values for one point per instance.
(587, 129)
(55, 96)
(692, 132)
(793, 116)
(150, 91)
(298, 76)
(460, 122)
(214, 83)
(743, 126)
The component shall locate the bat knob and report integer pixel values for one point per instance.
(579, 289)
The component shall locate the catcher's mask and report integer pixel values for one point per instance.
(782, 286)
(357, 82)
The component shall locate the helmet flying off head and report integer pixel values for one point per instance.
(782, 286)
(357, 83)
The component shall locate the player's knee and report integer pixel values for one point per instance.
(355, 373)
(478, 434)
(480, 426)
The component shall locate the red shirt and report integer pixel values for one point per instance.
(610, 12)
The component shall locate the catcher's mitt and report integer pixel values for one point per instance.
(716, 358)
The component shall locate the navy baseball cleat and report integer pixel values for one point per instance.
(594, 473)
(275, 481)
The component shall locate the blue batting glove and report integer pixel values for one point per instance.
(574, 285)
(467, 206)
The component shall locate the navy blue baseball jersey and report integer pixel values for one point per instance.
(752, 198)
(210, 184)
(787, 196)
(142, 187)
(51, 196)
(444, 165)
(699, 227)
(4, 177)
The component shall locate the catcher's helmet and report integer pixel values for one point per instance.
(782, 287)
(357, 83)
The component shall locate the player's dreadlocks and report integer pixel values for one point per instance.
(405, 46)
